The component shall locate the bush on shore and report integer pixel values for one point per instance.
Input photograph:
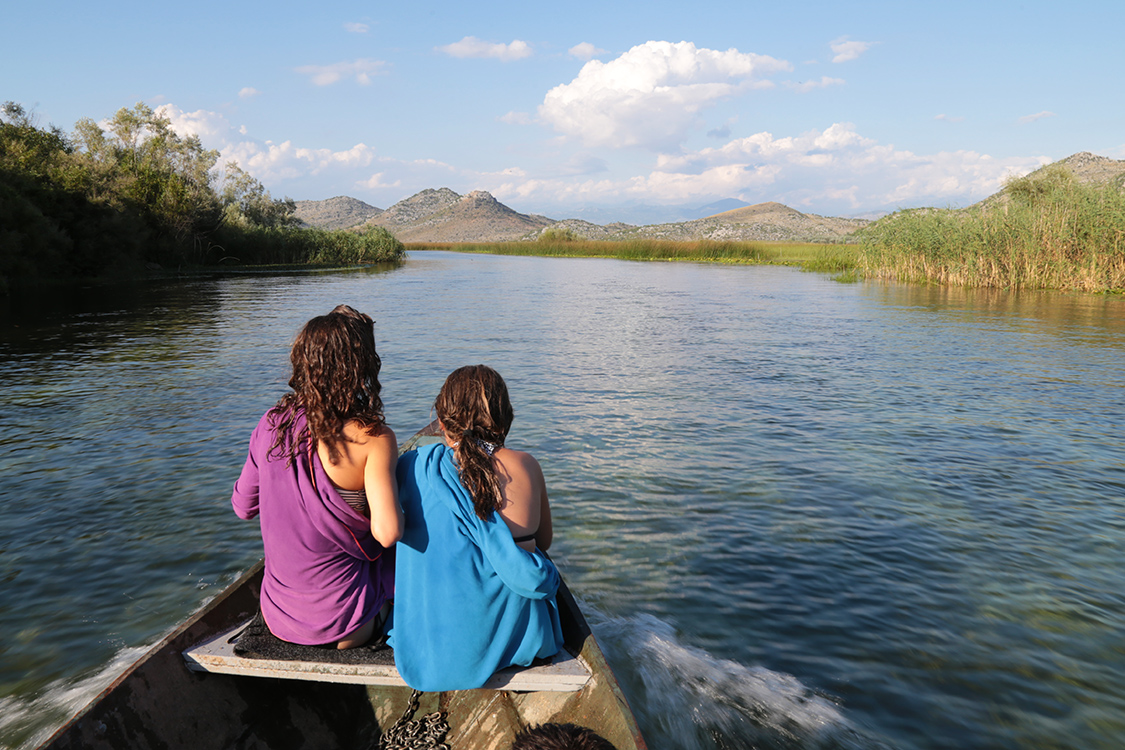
(115, 201)
(1045, 231)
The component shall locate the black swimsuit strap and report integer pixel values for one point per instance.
(524, 538)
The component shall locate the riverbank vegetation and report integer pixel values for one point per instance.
(136, 196)
(1047, 230)
(1044, 231)
(565, 244)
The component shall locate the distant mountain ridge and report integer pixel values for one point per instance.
(340, 212)
(442, 215)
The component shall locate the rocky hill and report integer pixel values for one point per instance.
(1092, 169)
(340, 212)
(764, 222)
(443, 216)
(1087, 168)
(417, 208)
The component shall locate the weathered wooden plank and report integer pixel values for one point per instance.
(564, 673)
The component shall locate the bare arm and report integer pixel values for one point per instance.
(525, 508)
(382, 490)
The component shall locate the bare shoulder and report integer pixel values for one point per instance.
(520, 461)
(376, 438)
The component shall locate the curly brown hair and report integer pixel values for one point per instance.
(335, 381)
(474, 409)
(560, 737)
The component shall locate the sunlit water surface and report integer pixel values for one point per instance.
(798, 513)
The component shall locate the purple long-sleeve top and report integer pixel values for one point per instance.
(325, 575)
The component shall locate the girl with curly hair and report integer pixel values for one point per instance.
(320, 475)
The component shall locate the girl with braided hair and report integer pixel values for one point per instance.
(475, 415)
(474, 590)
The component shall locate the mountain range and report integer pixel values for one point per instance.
(444, 216)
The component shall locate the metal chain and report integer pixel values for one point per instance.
(427, 733)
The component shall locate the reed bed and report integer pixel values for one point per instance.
(811, 256)
(1046, 231)
(316, 247)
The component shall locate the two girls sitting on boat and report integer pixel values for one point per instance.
(475, 593)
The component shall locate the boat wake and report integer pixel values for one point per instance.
(686, 699)
(28, 721)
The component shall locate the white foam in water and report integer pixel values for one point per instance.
(690, 700)
(39, 715)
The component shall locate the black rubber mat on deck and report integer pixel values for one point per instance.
(257, 642)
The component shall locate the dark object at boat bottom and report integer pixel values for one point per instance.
(257, 642)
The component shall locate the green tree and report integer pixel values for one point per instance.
(246, 201)
(140, 162)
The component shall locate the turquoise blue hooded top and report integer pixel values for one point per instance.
(468, 599)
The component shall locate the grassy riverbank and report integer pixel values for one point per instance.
(813, 257)
(1045, 231)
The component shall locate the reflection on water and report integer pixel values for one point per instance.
(802, 514)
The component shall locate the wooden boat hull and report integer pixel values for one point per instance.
(159, 703)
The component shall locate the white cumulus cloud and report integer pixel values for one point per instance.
(585, 51)
(248, 92)
(846, 50)
(470, 46)
(650, 96)
(209, 126)
(265, 160)
(325, 75)
(832, 171)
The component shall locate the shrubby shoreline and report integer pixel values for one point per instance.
(136, 198)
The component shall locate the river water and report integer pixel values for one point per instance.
(798, 513)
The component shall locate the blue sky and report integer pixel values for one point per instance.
(832, 108)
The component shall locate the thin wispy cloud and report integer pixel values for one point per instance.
(356, 28)
(846, 51)
(949, 118)
(516, 118)
(803, 87)
(326, 75)
(248, 92)
(1037, 116)
(471, 47)
(585, 51)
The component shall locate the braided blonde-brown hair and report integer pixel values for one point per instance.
(474, 409)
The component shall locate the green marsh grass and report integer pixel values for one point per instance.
(811, 256)
(1047, 231)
